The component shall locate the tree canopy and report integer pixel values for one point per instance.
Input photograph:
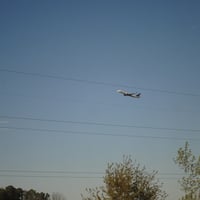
(190, 164)
(12, 193)
(127, 181)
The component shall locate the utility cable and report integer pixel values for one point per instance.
(99, 124)
(96, 82)
(96, 134)
(73, 172)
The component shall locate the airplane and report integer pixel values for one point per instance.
(134, 95)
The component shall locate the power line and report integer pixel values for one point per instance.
(47, 176)
(97, 134)
(50, 171)
(73, 172)
(99, 124)
(96, 82)
(70, 174)
(101, 103)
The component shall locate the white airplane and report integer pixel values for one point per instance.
(134, 95)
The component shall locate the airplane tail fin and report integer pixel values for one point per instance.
(138, 95)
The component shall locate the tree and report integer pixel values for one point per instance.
(190, 164)
(33, 195)
(12, 193)
(3, 194)
(127, 181)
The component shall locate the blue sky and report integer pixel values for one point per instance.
(73, 56)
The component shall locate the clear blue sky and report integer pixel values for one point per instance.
(141, 46)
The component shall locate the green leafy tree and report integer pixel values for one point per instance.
(190, 164)
(127, 181)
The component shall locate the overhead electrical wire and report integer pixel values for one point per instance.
(69, 174)
(46, 176)
(55, 172)
(96, 134)
(34, 74)
(73, 172)
(100, 103)
(100, 124)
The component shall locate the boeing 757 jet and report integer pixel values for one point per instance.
(134, 95)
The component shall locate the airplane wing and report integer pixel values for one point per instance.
(122, 92)
(135, 95)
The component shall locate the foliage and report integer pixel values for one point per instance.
(127, 181)
(190, 183)
(12, 193)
